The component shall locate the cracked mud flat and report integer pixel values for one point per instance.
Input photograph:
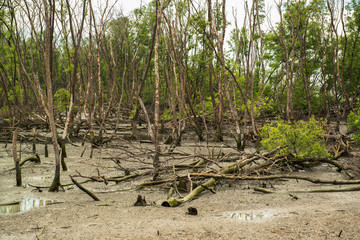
(234, 212)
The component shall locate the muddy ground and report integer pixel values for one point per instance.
(236, 211)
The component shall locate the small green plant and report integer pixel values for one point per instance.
(133, 112)
(13, 95)
(301, 139)
(353, 122)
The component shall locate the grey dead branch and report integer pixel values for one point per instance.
(196, 169)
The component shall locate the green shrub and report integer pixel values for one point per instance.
(301, 140)
(353, 122)
(167, 115)
(208, 107)
(62, 100)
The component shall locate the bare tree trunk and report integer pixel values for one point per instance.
(16, 159)
(261, 55)
(6, 95)
(89, 104)
(99, 32)
(76, 39)
(47, 10)
(304, 67)
(323, 70)
(214, 32)
(156, 162)
(339, 75)
(143, 78)
(289, 53)
(48, 53)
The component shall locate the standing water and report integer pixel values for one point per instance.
(24, 205)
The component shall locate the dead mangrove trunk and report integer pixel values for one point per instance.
(16, 159)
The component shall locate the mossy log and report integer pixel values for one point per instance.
(173, 202)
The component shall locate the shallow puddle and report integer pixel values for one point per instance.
(24, 205)
(247, 216)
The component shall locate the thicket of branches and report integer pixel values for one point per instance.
(66, 61)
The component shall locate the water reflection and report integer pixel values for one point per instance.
(24, 205)
(242, 216)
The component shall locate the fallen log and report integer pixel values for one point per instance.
(173, 202)
(276, 177)
(323, 160)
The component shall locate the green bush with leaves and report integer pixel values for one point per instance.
(353, 122)
(208, 107)
(300, 140)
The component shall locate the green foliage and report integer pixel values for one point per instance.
(7, 120)
(62, 100)
(302, 139)
(13, 96)
(167, 115)
(208, 107)
(353, 121)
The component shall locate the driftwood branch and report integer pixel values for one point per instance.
(276, 177)
(352, 189)
(323, 160)
(173, 202)
(93, 196)
(35, 159)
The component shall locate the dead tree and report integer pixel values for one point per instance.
(76, 37)
(43, 13)
(334, 30)
(156, 161)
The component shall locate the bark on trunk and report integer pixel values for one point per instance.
(156, 162)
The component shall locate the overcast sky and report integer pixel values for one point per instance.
(270, 7)
(238, 5)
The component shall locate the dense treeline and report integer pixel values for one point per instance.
(169, 61)
(304, 64)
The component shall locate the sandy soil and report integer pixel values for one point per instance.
(234, 212)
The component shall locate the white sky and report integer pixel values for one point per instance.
(128, 6)
(270, 9)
